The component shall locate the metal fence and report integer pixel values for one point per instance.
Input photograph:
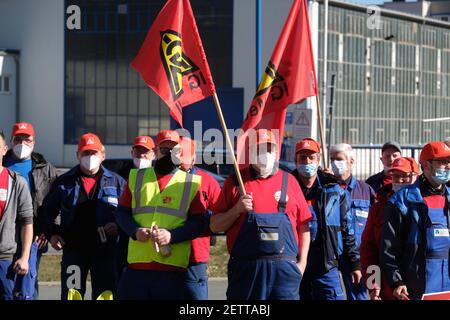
(367, 159)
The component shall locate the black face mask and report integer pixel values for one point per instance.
(165, 165)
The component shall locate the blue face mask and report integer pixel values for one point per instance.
(441, 176)
(307, 170)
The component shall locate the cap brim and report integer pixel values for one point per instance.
(22, 132)
(399, 169)
(443, 156)
(391, 146)
(171, 140)
(307, 149)
(88, 148)
(142, 145)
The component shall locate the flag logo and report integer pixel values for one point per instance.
(176, 63)
(270, 77)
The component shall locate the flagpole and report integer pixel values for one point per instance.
(322, 136)
(229, 144)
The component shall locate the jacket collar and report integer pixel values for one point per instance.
(352, 183)
(413, 193)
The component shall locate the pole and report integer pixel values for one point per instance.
(258, 42)
(228, 141)
(322, 136)
(325, 64)
(331, 108)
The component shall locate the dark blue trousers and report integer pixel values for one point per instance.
(321, 286)
(75, 266)
(26, 284)
(196, 282)
(354, 292)
(7, 280)
(150, 285)
(263, 279)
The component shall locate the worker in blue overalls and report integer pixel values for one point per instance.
(359, 198)
(416, 242)
(267, 228)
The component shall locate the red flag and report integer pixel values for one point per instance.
(289, 77)
(172, 61)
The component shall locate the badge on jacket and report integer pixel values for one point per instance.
(113, 201)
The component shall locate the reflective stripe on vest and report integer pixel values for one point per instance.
(184, 204)
(167, 209)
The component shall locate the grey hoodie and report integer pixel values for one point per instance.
(18, 208)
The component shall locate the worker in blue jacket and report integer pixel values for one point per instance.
(359, 198)
(331, 231)
(415, 244)
(84, 199)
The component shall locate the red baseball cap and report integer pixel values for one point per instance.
(307, 144)
(265, 136)
(144, 141)
(434, 150)
(167, 135)
(22, 128)
(404, 164)
(90, 141)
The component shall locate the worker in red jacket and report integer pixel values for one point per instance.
(404, 171)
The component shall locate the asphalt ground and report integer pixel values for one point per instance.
(52, 291)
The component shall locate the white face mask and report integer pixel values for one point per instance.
(175, 155)
(22, 151)
(142, 163)
(339, 167)
(265, 164)
(91, 162)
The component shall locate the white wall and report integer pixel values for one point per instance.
(274, 13)
(36, 28)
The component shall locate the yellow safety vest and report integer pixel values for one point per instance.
(167, 209)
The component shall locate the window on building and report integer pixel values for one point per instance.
(103, 94)
(5, 84)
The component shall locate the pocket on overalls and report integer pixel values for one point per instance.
(269, 235)
(361, 215)
(109, 196)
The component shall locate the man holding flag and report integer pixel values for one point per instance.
(254, 271)
(172, 62)
(267, 229)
